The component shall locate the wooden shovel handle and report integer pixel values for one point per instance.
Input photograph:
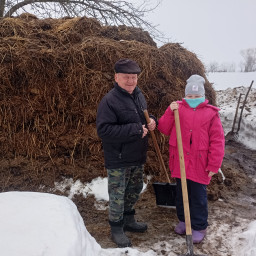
(161, 161)
(183, 174)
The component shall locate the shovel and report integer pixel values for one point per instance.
(189, 240)
(165, 192)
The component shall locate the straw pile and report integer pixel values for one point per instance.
(54, 73)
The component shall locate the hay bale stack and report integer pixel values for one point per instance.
(53, 74)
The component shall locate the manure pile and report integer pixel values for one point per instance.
(53, 74)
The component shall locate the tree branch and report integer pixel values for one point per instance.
(108, 12)
(2, 4)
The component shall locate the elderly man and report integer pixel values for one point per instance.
(122, 127)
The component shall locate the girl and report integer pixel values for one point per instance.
(203, 145)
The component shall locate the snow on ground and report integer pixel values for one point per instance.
(45, 224)
(97, 188)
(42, 224)
(49, 225)
(224, 80)
(229, 86)
(227, 101)
(240, 242)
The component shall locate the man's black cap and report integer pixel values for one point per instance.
(127, 66)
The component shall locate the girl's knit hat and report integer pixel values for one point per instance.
(195, 85)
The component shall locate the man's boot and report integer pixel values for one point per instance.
(117, 234)
(130, 224)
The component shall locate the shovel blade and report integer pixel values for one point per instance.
(190, 251)
(165, 193)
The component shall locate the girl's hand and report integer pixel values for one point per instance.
(211, 174)
(174, 105)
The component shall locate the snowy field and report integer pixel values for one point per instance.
(224, 80)
(41, 224)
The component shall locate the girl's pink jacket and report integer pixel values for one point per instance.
(202, 138)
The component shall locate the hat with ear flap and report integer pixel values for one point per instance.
(195, 85)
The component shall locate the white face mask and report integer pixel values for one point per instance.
(193, 103)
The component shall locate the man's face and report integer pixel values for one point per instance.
(127, 81)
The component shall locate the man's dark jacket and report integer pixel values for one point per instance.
(119, 124)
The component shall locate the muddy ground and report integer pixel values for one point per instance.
(231, 208)
(226, 207)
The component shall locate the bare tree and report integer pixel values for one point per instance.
(112, 12)
(227, 67)
(213, 67)
(232, 67)
(223, 67)
(249, 56)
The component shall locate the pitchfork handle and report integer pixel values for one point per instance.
(161, 161)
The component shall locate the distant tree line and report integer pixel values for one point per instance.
(247, 65)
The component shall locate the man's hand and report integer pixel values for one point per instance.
(145, 131)
(152, 124)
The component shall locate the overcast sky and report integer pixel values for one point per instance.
(216, 30)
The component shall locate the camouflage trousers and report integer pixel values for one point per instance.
(124, 187)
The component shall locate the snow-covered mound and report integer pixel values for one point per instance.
(42, 224)
(227, 100)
